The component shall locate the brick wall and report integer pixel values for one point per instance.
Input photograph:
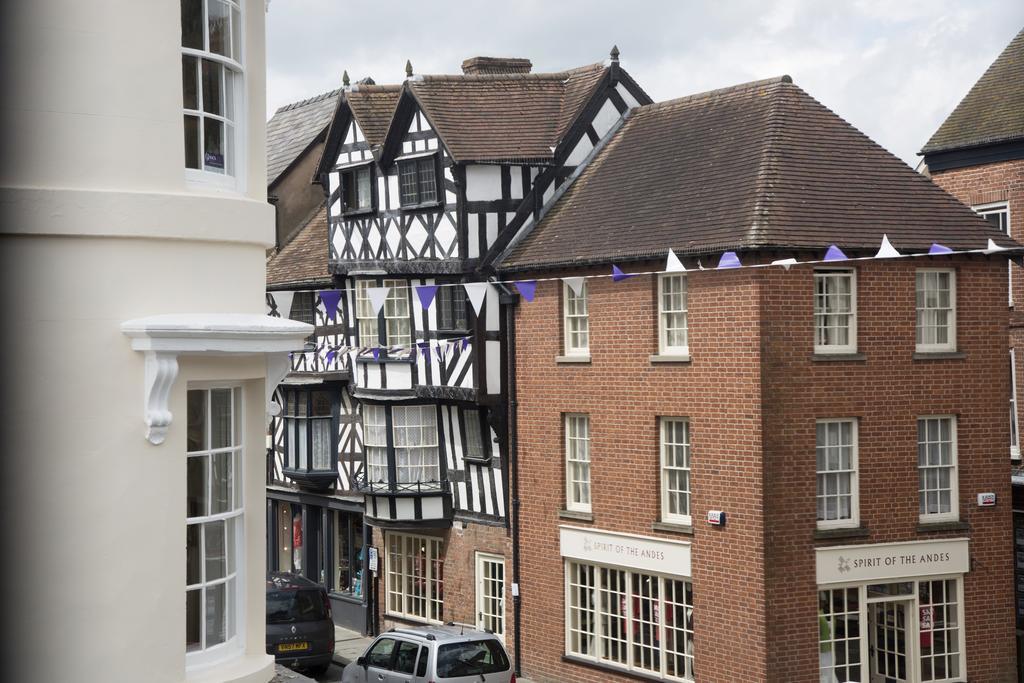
(751, 344)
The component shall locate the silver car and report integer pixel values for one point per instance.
(432, 654)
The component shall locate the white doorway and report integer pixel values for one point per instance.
(889, 641)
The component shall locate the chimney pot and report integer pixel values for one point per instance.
(478, 66)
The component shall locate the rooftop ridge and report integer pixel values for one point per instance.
(309, 100)
(739, 87)
(538, 76)
(374, 89)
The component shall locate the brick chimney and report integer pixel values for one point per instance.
(478, 66)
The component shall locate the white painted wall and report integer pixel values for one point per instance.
(100, 227)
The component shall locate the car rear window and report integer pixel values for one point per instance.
(471, 659)
(286, 607)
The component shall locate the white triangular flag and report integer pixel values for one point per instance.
(377, 296)
(476, 292)
(673, 264)
(886, 250)
(575, 284)
(785, 262)
(993, 247)
(283, 302)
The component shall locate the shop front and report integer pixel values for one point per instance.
(322, 539)
(628, 603)
(892, 612)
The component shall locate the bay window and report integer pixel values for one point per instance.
(835, 311)
(413, 440)
(214, 608)
(211, 69)
(629, 620)
(308, 430)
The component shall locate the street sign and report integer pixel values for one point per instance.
(372, 557)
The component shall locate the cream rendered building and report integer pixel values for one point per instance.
(136, 351)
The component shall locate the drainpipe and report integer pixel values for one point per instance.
(513, 460)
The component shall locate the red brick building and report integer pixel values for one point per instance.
(838, 420)
(977, 155)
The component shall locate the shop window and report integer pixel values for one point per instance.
(490, 593)
(214, 525)
(675, 471)
(577, 463)
(835, 311)
(348, 554)
(839, 637)
(672, 316)
(937, 469)
(936, 310)
(415, 577)
(576, 323)
(289, 537)
(940, 630)
(309, 442)
(630, 620)
(836, 454)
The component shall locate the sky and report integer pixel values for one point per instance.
(893, 68)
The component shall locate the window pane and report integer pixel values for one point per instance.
(192, 24)
(216, 608)
(409, 183)
(213, 542)
(220, 418)
(196, 505)
(428, 182)
(191, 141)
(220, 498)
(213, 87)
(193, 553)
(193, 625)
(236, 35)
(189, 81)
(213, 140)
(363, 188)
(196, 420)
(219, 28)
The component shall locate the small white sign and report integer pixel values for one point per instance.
(372, 558)
(515, 590)
(716, 517)
(986, 500)
(927, 617)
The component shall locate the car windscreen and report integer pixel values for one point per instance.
(289, 606)
(471, 659)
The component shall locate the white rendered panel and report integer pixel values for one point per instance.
(433, 507)
(393, 192)
(473, 235)
(405, 508)
(483, 183)
(579, 153)
(492, 310)
(492, 229)
(626, 96)
(493, 367)
(605, 119)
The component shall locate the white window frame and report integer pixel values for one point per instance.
(850, 347)
(582, 319)
(375, 421)
(473, 429)
(1014, 420)
(913, 628)
(954, 490)
(950, 345)
(233, 645)
(485, 617)
(854, 520)
(664, 348)
(596, 612)
(984, 210)
(367, 329)
(400, 569)
(397, 316)
(667, 516)
(235, 129)
(425, 424)
(575, 462)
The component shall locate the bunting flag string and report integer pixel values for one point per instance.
(729, 260)
(426, 294)
(574, 283)
(618, 275)
(476, 292)
(834, 253)
(283, 303)
(887, 250)
(377, 296)
(527, 288)
(330, 298)
(673, 264)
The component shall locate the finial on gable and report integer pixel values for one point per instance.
(614, 54)
(408, 69)
(344, 78)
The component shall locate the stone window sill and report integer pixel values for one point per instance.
(578, 516)
(939, 355)
(673, 527)
(925, 527)
(837, 357)
(573, 359)
(670, 358)
(831, 534)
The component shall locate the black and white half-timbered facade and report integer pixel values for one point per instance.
(426, 182)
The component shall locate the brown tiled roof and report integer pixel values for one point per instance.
(372, 106)
(303, 261)
(505, 117)
(993, 109)
(759, 165)
(292, 129)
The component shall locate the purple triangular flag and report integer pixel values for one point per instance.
(425, 349)
(426, 294)
(330, 297)
(618, 275)
(330, 357)
(376, 352)
(937, 248)
(527, 288)
(834, 253)
(465, 343)
(729, 260)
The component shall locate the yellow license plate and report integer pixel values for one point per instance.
(292, 647)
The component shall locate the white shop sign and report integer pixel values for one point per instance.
(883, 561)
(626, 550)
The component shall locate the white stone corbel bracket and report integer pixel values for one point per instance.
(165, 337)
(161, 371)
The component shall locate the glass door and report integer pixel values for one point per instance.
(888, 641)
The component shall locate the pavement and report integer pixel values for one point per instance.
(283, 674)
